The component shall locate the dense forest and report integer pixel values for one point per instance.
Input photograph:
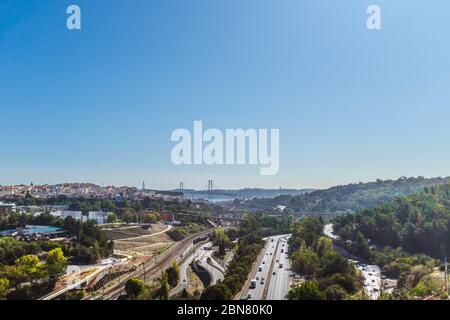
(328, 274)
(418, 223)
(351, 197)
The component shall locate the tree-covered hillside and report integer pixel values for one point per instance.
(418, 223)
(351, 197)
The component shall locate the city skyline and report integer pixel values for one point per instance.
(99, 104)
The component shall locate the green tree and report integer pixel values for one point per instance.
(335, 292)
(152, 217)
(305, 261)
(324, 246)
(4, 288)
(56, 262)
(333, 263)
(217, 292)
(164, 287)
(360, 246)
(173, 274)
(29, 268)
(134, 287)
(112, 218)
(306, 291)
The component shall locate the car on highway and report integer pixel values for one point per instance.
(274, 273)
(249, 296)
(281, 266)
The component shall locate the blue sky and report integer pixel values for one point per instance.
(100, 104)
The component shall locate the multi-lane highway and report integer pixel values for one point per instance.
(280, 281)
(272, 282)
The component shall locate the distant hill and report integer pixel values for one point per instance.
(419, 223)
(246, 193)
(351, 197)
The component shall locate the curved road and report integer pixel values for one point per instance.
(215, 269)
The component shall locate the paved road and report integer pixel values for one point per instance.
(371, 273)
(372, 280)
(201, 254)
(215, 269)
(263, 273)
(280, 282)
(184, 276)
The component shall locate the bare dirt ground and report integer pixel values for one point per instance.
(139, 242)
(63, 281)
(132, 231)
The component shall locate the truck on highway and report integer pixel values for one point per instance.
(253, 284)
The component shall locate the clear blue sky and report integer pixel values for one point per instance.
(99, 104)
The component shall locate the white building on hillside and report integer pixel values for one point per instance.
(99, 217)
(77, 215)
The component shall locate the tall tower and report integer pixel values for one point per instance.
(210, 186)
(143, 185)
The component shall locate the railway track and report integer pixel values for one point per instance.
(152, 269)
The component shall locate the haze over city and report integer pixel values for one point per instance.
(100, 104)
